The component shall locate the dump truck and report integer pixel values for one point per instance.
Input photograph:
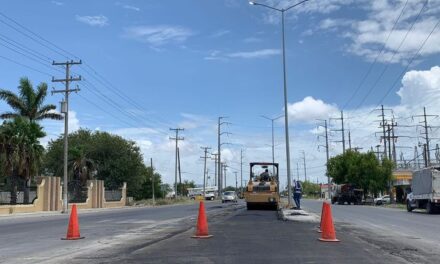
(425, 190)
(346, 193)
(262, 190)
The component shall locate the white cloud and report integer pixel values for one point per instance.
(420, 87)
(57, 3)
(95, 21)
(310, 109)
(130, 7)
(330, 23)
(369, 34)
(73, 122)
(264, 53)
(254, 54)
(159, 35)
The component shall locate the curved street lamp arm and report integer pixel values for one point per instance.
(270, 7)
(294, 5)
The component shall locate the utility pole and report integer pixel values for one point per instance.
(215, 168)
(328, 157)
(65, 110)
(426, 135)
(241, 170)
(390, 183)
(428, 155)
(236, 182)
(224, 173)
(378, 152)
(394, 138)
(152, 179)
(297, 171)
(416, 158)
(208, 177)
(383, 124)
(219, 144)
(349, 140)
(177, 138)
(205, 150)
(305, 168)
(180, 172)
(342, 130)
(343, 133)
(273, 139)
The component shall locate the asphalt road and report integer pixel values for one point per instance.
(34, 239)
(413, 236)
(415, 225)
(259, 237)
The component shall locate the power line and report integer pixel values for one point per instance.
(409, 63)
(392, 57)
(375, 59)
(60, 51)
(24, 65)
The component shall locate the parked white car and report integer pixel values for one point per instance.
(210, 196)
(382, 200)
(229, 196)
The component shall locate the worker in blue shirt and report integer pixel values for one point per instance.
(297, 193)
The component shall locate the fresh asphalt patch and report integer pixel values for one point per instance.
(260, 237)
(242, 236)
(120, 248)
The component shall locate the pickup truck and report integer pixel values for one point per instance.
(425, 190)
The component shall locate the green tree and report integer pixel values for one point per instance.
(362, 170)
(182, 188)
(21, 152)
(29, 103)
(116, 160)
(146, 190)
(310, 188)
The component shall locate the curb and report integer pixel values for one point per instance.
(298, 216)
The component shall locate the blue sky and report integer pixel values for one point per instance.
(184, 63)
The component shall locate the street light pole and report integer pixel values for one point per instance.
(286, 117)
(273, 139)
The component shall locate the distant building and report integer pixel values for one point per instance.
(401, 182)
(324, 190)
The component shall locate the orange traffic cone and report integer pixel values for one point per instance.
(322, 218)
(202, 223)
(73, 228)
(328, 229)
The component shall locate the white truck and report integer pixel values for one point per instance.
(425, 190)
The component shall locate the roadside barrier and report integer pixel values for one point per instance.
(202, 223)
(73, 227)
(328, 229)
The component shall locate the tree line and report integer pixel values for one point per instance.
(91, 155)
(363, 170)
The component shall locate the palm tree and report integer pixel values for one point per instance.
(83, 169)
(82, 166)
(19, 143)
(29, 103)
(20, 137)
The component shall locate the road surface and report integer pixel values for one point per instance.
(34, 239)
(416, 230)
(252, 237)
